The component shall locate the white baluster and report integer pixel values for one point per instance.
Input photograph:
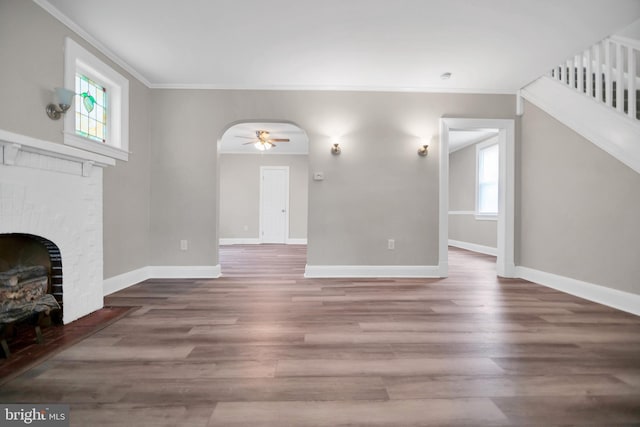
(572, 74)
(608, 85)
(561, 74)
(580, 62)
(587, 58)
(598, 72)
(619, 78)
(631, 75)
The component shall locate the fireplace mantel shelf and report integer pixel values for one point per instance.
(12, 143)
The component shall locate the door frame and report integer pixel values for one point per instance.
(505, 262)
(287, 194)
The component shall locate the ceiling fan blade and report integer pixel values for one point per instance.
(245, 137)
(280, 139)
(250, 142)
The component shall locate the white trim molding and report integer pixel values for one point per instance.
(239, 241)
(371, 271)
(11, 144)
(611, 130)
(255, 241)
(505, 265)
(487, 250)
(185, 271)
(65, 20)
(125, 280)
(294, 241)
(620, 300)
(462, 213)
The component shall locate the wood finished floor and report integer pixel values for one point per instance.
(263, 346)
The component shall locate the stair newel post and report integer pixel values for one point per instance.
(598, 71)
(619, 78)
(580, 62)
(631, 75)
(608, 84)
(589, 72)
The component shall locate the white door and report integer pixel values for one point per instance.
(274, 204)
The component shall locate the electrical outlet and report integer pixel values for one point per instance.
(184, 245)
(391, 244)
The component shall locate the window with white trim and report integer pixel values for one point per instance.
(100, 118)
(487, 173)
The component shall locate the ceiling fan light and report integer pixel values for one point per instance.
(262, 146)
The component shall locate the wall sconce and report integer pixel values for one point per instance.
(423, 151)
(63, 99)
(335, 149)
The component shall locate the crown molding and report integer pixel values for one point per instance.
(65, 20)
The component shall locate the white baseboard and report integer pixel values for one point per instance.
(296, 241)
(240, 241)
(256, 241)
(620, 300)
(185, 272)
(372, 271)
(123, 281)
(487, 250)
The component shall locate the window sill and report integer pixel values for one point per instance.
(95, 147)
(486, 217)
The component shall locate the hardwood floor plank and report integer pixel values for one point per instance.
(571, 410)
(400, 367)
(373, 413)
(505, 386)
(258, 389)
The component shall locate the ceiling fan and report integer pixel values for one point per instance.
(262, 141)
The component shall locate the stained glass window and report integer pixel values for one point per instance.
(91, 109)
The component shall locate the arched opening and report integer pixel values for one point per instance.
(263, 170)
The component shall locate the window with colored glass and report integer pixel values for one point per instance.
(91, 109)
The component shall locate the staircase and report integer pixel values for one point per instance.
(607, 72)
(596, 93)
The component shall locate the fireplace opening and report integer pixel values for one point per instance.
(30, 285)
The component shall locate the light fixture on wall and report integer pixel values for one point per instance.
(423, 151)
(63, 98)
(335, 149)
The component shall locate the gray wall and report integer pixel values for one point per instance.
(32, 64)
(379, 188)
(579, 207)
(462, 197)
(240, 193)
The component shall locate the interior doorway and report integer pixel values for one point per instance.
(263, 186)
(504, 128)
(274, 204)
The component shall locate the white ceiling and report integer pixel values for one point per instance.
(489, 46)
(234, 139)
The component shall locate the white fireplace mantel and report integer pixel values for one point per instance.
(12, 144)
(55, 191)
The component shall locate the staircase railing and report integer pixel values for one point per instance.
(607, 72)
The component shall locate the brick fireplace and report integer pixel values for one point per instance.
(54, 192)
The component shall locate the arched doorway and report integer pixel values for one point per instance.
(263, 175)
